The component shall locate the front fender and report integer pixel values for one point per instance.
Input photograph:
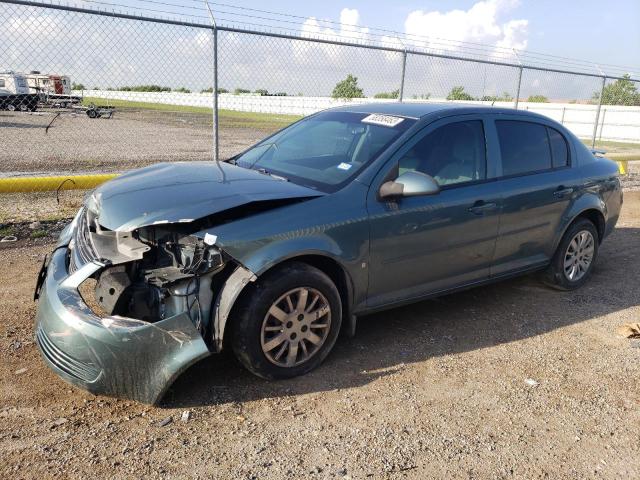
(270, 255)
(277, 252)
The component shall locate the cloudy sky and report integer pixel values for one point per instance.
(103, 52)
(602, 31)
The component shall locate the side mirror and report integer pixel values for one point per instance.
(410, 184)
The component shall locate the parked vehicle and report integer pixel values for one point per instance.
(346, 212)
(14, 93)
(53, 89)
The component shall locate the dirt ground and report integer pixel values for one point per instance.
(512, 380)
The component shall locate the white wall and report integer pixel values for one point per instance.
(616, 122)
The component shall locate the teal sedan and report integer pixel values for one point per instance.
(275, 251)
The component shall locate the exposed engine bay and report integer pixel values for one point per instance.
(151, 274)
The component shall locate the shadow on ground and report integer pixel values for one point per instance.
(475, 319)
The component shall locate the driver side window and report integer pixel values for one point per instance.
(452, 154)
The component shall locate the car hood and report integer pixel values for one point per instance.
(183, 192)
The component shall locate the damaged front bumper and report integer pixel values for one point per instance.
(113, 355)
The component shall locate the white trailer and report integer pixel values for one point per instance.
(15, 93)
(53, 89)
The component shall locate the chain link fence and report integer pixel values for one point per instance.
(85, 93)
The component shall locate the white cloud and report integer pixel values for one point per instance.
(480, 24)
(348, 29)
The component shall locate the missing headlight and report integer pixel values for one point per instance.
(174, 276)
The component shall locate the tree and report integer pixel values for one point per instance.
(145, 88)
(239, 91)
(424, 96)
(347, 88)
(261, 91)
(621, 92)
(210, 90)
(78, 86)
(506, 97)
(394, 94)
(537, 99)
(458, 93)
(182, 90)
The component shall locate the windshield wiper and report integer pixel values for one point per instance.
(273, 175)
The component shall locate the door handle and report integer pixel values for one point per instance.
(481, 207)
(562, 192)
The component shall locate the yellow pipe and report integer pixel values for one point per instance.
(622, 166)
(51, 184)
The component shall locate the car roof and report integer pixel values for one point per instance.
(420, 109)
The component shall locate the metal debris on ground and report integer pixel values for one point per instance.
(186, 415)
(165, 422)
(531, 382)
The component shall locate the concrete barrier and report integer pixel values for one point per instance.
(51, 184)
(616, 123)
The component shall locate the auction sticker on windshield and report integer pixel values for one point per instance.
(384, 120)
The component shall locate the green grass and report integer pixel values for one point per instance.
(629, 157)
(38, 234)
(7, 231)
(228, 118)
(617, 150)
(612, 144)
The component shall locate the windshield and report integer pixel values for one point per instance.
(327, 150)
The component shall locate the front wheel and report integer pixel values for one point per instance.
(286, 324)
(573, 261)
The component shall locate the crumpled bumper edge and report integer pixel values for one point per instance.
(112, 356)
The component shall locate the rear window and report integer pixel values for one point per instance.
(1, 82)
(559, 149)
(524, 147)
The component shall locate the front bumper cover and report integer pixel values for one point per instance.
(113, 355)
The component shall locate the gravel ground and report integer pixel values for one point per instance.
(132, 138)
(76, 144)
(512, 380)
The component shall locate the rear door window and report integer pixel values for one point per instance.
(559, 149)
(524, 147)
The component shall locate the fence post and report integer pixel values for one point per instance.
(518, 88)
(604, 114)
(216, 143)
(564, 109)
(595, 123)
(215, 146)
(404, 67)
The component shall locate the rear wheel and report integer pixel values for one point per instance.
(575, 257)
(287, 323)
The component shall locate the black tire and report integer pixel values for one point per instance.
(92, 113)
(555, 275)
(251, 310)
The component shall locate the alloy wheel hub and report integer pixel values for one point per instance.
(295, 327)
(579, 255)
